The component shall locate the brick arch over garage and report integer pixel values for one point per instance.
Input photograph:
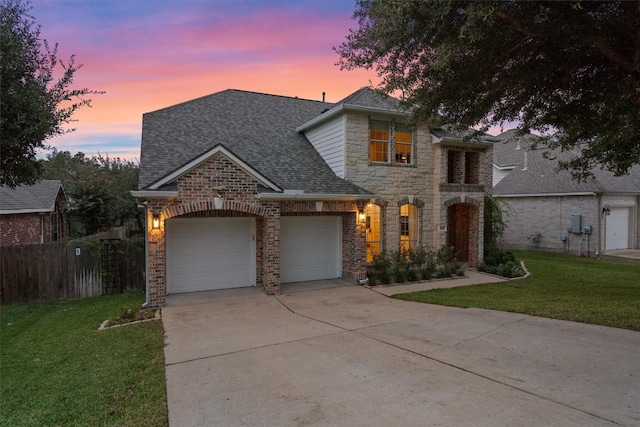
(187, 208)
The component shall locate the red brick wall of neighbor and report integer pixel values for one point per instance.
(195, 198)
(24, 229)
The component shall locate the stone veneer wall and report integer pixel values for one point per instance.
(195, 199)
(392, 183)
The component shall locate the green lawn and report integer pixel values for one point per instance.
(602, 292)
(56, 369)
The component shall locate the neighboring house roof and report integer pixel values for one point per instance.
(39, 197)
(259, 129)
(507, 152)
(452, 134)
(533, 173)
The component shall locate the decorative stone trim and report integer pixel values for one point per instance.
(416, 201)
(208, 205)
(468, 200)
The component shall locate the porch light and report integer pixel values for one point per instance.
(362, 217)
(606, 210)
(155, 222)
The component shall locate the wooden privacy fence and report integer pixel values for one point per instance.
(54, 271)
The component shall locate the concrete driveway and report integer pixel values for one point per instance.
(350, 356)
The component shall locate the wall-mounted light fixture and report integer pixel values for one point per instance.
(606, 210)
(155, 222)
(362, 217)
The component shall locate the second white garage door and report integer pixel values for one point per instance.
(310, 248)
(210, 253)
(617, 229)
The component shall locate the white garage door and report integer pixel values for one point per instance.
(310, 248)
(617, 229)
(210, 253)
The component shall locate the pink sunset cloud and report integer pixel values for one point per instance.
(150, 58)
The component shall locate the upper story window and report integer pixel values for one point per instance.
(390, 141)
(403, 146)
(379, 138)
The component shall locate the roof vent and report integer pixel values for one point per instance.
(323, 94)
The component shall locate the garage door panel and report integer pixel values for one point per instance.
(210, 253)
(310, 248)
(617, 229)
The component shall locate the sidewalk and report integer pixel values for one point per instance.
(471, 277)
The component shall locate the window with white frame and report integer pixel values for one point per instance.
(408, 226)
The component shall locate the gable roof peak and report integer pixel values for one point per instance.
(369, 97)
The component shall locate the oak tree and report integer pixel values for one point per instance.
(36, 94)
(569, 70)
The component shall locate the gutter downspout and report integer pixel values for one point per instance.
(601, 225)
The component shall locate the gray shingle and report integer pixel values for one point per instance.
(39, 197)
(367, 97)
(258, 128)
(541, 176)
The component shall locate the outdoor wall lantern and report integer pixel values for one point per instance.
(606, 210)
(362, 217)
(155, 222)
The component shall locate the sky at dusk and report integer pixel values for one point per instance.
(150, 54)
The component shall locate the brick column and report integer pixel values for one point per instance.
(271, 255)
(156, 263)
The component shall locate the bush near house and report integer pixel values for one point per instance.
(501, 262)
(413, 264)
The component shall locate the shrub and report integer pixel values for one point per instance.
(500, 262)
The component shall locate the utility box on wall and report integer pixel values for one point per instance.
(576, 224)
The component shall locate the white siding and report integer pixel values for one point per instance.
(499, 174)
(328, 140)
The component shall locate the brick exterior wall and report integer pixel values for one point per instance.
(196, 199)
(27, 229)
(550, 218)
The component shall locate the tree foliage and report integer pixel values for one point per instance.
(97, 190)
(35, 99)
(569, 70)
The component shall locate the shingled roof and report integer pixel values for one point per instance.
(259, 128)
(535, 173)
(369, 98)
(39, 197)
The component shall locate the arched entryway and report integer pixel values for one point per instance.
(462, 231)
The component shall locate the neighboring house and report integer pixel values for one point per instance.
(32, 213)
(246, 189)
(547, 209)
